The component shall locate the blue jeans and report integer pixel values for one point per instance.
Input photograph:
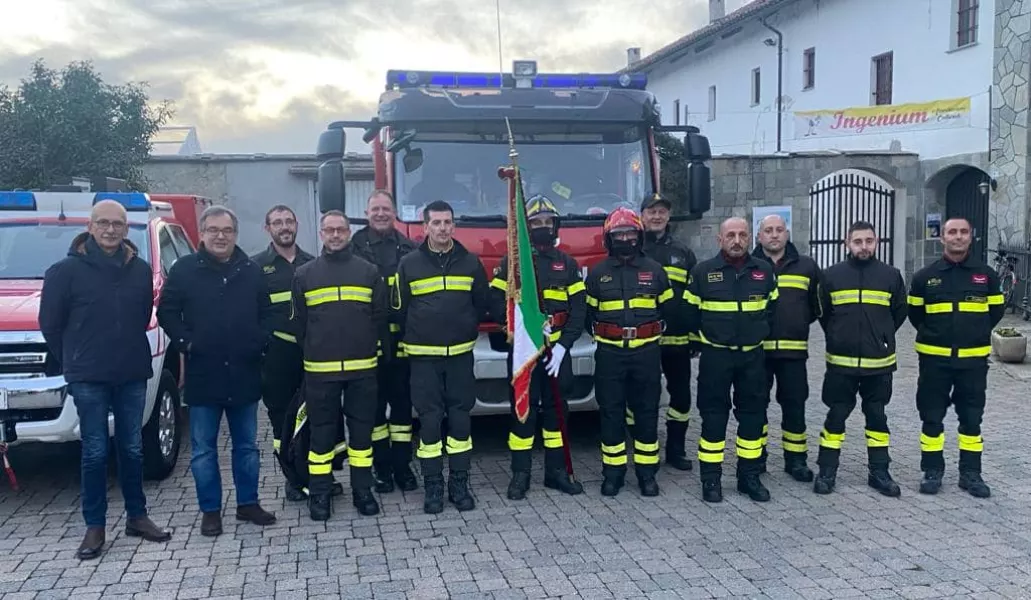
(93, 402)
(243, 431)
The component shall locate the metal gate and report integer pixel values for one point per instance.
(964, 198)
(839, 200)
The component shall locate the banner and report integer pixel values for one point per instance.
(883, 119)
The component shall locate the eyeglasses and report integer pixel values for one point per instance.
(335, 230)
(278, 223)
(107, 224)
(224, 232)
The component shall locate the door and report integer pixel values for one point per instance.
(964, 199)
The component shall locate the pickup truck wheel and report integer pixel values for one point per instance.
(163, 431)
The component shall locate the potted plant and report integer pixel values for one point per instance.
(1009, 344)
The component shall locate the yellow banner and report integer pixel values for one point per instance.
(887, 118)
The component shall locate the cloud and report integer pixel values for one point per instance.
(267, 75)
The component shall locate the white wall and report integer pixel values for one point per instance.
(847, 34)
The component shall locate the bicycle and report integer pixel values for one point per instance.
(1005, 266)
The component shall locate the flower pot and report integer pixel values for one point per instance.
(1009, 348)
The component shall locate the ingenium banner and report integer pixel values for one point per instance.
(883, 119)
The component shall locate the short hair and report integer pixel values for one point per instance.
(860, 226)
(333, 213)
(219, 211)
(964, 219)
(436, 206)
(380, 192)
(279, 208)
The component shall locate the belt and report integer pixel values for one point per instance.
(615, 332)
(559, 319)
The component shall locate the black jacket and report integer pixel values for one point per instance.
(678, 260)
(220, 316)
(340, 304)
(94, 311)
(279, 277)
(954, 308)
(731, 307)
(561, 291)
(628, 294)
(798, 304)
(863, 304)
(386, 252)
(439, 300)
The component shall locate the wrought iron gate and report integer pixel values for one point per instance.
(839, 200)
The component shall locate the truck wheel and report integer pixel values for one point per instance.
(163, 431)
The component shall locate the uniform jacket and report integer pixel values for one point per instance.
(863, 305)
(439, 300)
(220, 316)
(279, 277)
(340, 306)
(386, 252)
(954, 307)
(678, 260)
(94, 310)
(731, 307)
(561, 291)
(798, 303)
(628, 294)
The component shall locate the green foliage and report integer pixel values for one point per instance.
(672, 165)
(70, 123)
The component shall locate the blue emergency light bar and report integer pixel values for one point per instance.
(416, 79)
(17, 201)
(132, 201)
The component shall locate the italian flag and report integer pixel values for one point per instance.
(525, 319)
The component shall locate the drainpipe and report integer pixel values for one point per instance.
(780, 79)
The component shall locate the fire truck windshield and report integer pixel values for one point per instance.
(582, 173)
(28, 249)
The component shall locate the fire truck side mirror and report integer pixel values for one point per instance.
(332, 144)
(699, 190)
(330, 186)
(696, 148)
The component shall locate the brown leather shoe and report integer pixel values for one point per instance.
(143, 527)
(211, 524)
(92, 544)
(254, 513)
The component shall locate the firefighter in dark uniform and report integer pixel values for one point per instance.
(440, 296)
(732, 298)
(562, 299)
(283, 372)
(954, 304)
(384, 246)
(340, 302)
(863, 305)
(678, 260)
(628, 299)
(787, 348)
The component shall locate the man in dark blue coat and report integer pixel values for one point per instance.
(94, 311)
(215, 306)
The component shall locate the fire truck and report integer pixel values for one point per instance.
(587, 141)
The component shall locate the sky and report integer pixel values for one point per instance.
(268, 75)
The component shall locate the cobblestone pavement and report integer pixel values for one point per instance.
(853, 543)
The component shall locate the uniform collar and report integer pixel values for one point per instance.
(944, 264)
(302, 256)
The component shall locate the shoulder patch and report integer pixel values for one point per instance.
(979, 278)
(758, 275)
(676, 259)
(715, 276)
(605, 278)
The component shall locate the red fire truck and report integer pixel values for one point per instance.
(587, 141)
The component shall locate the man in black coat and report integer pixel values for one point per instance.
(216, 309)
(94, 311)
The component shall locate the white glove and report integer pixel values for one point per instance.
(558, 353)
(547, 329)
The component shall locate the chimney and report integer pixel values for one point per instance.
(633, 56)
(717, 10)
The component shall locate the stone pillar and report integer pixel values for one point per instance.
(1011, 161)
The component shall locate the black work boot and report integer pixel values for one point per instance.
(676, 456)
(294, 493)
(825, 481)
(405, 478)
(612, 483)
(649, 487)
(433, 488)
(519, 485)
(384, 477)
(712, 489)
(975, 486)
(794, 465)
(365, 502)
(748, 483)
(932, 481)
(558, 479)
(458, 491)
(881, 481)
(320, 506)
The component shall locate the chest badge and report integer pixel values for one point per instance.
(558, 266)
(934, 282)
(715, 276)
(979, 278)
(758, 276)
(645, 277)
(269, 269)
(605, 278)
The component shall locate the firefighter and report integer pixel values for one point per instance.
(678, 260)
(562, 299)
(954, 304)
(628, 298)
(440, 296)
(732, 298)
(787, 348)
(340, 301)
(863, 304)
(384, 246)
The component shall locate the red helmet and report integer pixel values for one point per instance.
(622, 219)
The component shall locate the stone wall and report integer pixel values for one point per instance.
(1008, 211)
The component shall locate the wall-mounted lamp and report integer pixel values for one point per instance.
(984, 185)
(770, 42)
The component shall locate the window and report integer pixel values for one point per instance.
(809, 69)
(28, 249)
(881, 76)
(712, 103)
(966, 22)
(180, 241)
(756, 86)
(676, 111)
(166, 249)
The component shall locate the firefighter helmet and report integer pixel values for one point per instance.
(621, 219)
(540, 205)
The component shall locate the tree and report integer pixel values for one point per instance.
(672, 165)
(70, 123)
